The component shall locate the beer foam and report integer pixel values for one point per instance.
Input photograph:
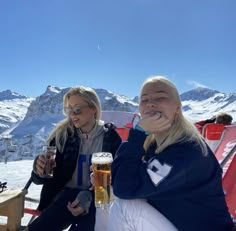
(102, 158)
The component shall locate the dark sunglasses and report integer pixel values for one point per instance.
(77, 110)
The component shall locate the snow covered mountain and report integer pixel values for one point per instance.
(13, 108)
(28, 126)
(25, 122)
(203, 103)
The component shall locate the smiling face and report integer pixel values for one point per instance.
(156, 97)
(84, 119)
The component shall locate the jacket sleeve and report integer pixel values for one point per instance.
(112, 139)
(39, 180)
(117, 142)
(128, 167)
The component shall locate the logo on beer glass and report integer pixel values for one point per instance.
(101, 163)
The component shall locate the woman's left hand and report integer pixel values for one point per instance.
(75, 209)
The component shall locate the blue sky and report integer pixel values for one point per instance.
(116, 45)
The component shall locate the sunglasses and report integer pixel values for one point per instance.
(77, 110)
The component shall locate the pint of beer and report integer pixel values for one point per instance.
(101, 162)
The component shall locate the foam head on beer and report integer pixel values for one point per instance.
(102, 158)
(101, 163)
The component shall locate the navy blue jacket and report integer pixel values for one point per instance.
(180, 182)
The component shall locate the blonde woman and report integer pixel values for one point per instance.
(66, 198)
(165, 176)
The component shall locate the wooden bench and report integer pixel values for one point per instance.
(12, 207)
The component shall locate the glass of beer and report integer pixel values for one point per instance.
(101, 164)
(50, 154)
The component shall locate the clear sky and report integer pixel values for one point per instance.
(116, 44)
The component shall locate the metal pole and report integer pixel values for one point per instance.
(230, 154)
(6, 150)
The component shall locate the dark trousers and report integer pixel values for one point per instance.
(57, 217)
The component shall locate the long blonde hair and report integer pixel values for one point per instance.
(181, 129)
(60, 132)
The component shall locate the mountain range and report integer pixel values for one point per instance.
(25, 122)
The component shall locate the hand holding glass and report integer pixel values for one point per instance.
(50, 154)
(101, 164)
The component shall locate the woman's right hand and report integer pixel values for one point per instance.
(155, 123)
(92, 181)
(40, 165)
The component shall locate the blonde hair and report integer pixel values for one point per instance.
(181, 129)
(60, 132)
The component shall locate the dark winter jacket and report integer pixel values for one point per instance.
(66, 163)
(180, 182)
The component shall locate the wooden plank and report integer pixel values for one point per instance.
(12, 206)
(8, 195)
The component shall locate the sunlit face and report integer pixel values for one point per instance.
(80, 113)
(155, 97)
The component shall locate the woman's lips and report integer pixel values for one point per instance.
(152, 113)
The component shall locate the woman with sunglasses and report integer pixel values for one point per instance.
(66, 198)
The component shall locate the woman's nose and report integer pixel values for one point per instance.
(151, 103)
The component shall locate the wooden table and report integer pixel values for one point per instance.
(12, 206)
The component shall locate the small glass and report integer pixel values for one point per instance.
(101, 164)
(50, 155)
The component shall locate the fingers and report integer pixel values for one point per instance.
(75, 210)
(92, 178)
(158, 115)
(74, 203)
(160, 124)
(40, 165)
(53, 163)
(91, 188)
(156, 123)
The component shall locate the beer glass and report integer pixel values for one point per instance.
(50, 154)
(101, 164)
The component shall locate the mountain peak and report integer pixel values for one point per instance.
(51, 90)
(198, 94)
(9, 95)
